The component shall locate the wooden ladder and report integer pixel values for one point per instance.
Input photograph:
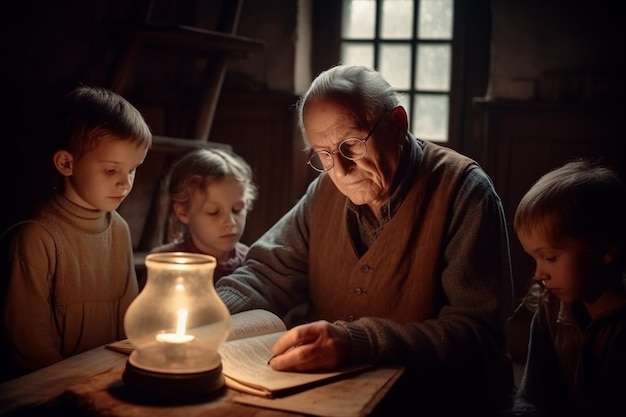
(213, 48)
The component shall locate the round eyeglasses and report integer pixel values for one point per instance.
(352, 149)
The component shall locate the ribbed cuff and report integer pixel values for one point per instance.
(359, 341)
(234, 300)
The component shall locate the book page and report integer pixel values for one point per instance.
(245, 361)
(253, 323)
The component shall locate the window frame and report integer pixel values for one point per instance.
(471, 43)
(377, 43)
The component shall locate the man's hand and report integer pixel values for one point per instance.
(317, 346)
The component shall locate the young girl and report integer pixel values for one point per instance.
(71, 270)
(573, 223)
(211, 192)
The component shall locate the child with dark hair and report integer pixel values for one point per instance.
(573, 223)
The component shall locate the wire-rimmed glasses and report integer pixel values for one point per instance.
(352, 149)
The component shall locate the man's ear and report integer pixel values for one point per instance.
(63, 162)
(180, 211)
(401, 118)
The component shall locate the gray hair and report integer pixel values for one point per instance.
(361, 90)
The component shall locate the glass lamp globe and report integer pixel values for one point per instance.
(177, 324)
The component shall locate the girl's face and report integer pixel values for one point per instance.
(216, 217)
(570, 270)
(103, 177)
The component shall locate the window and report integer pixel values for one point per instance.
(411, 43)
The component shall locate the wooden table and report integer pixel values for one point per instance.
(90, 384)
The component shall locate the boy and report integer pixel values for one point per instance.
(71, 264)
(572, 223)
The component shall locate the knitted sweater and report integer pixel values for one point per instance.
(72, 278)
(575, 365)
(431, 293)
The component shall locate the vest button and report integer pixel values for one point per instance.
(358, 291)
(350, 318)
(365, 268)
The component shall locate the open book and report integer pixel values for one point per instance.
(246, 353)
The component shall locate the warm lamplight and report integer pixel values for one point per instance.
(177, 325)
(179, 336)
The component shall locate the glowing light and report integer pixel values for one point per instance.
(181, 328)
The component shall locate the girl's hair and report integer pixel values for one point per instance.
(361, 90)
(196, 169)
(581, 200)
(87, 114)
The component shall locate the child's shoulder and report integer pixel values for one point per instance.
(23, 235)
(28, 227)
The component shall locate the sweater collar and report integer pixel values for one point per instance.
(87, 219)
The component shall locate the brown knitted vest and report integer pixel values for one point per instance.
(399, 277)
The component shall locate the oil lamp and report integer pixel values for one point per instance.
(177, 325)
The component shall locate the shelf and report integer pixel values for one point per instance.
(189, 38)
(176, 146)
(587, 106)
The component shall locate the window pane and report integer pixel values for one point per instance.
(397, 19)
(430, 118)
(358, 19)
(433, 67)
(435, 19)
(395, 65)
(353, 53)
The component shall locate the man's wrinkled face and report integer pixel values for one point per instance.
(364, 181)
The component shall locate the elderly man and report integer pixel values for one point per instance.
(397, 254)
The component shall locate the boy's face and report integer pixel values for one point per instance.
(216, 217)
(103, 177)
(570, 270)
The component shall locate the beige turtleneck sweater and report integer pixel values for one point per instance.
(72, 278)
